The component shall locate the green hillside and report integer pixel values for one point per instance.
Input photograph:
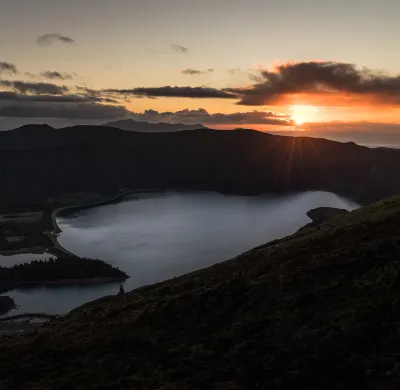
(316, 310)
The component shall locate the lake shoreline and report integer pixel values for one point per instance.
(70, 282)
(156, 235)
(67, 210)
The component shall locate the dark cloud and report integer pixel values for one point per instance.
(193, 72)
(256, 78)
(324, 78)
(30, 75)
(49, 39)
(190, 117)
(95, 96)
(34, 88)
(182, 92)
(180, 49)
(16, 97)
(62, 111)
(54, 75)
(8, 67)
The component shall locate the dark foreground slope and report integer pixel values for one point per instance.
(316, 310)
(39, 164)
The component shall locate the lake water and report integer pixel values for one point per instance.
(156, 236)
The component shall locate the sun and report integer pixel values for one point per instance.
(301, 114)
(297, 120)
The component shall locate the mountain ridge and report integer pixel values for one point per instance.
(142, 126)
(56, 163)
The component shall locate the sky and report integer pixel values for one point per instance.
(275, 65)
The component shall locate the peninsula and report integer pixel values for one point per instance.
(61, 271)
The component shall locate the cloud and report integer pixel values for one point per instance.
(202, 116)
(182, 92)
(30, 75)
(54, 75)
(32, 101)
(95, 96)
(8, 67)
(193, 72)
(34, 87)
(180, 49)
(49, 39)
(61, 110)
(322, 78)
(16, 97)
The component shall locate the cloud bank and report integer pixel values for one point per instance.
(54, 75)
(73, 111)
(322, 78)
(34, 88)
(182, 92)
(195, 72)
(202, 116)
(8, 67)
(70, 98)
(49, 39)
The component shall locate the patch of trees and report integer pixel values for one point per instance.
(58, 270)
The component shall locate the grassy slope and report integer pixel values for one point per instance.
(316, 310)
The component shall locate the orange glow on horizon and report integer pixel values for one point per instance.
(302, 113)
(301, 108)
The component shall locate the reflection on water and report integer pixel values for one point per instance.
(153, 237)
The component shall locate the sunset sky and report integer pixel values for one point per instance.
(212, 61)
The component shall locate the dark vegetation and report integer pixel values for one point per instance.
(30, 233)
(6, 304)
(102, 160)
(316, 310)
(61, 270)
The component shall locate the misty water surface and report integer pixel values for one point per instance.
(157, 236)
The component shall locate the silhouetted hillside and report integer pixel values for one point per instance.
(38, 163)
(318, 310)
(132, 125)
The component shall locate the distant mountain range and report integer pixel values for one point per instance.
(38, 163)
(132, 125)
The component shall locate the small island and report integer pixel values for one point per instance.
(59, 271)
(322, 214)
